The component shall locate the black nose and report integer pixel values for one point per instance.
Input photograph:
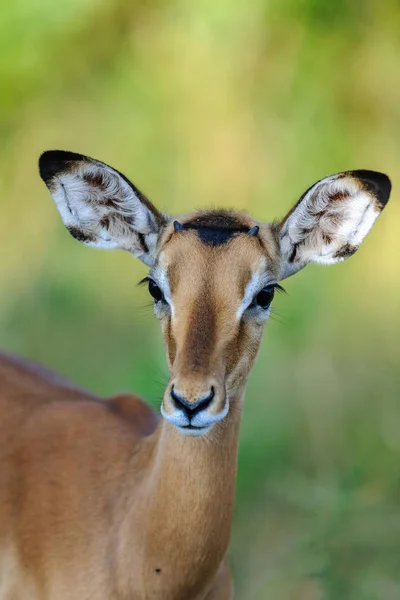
(191, 408)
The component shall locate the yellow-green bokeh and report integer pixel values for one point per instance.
(238, 104)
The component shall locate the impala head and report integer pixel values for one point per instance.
(213, 274)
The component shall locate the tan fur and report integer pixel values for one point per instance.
(91, 502)
(206, 337)
(100, 499)
(90, 506)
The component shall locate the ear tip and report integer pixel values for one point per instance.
(377, 183)
(52, 162)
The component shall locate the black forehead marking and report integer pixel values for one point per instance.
(214, 237)
(215, 228)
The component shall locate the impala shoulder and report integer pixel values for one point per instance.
(136, 412)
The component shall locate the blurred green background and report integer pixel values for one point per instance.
(237, 104)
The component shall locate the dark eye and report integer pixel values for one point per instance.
(155, 291)
(265, 297)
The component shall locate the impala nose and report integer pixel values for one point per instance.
(194, 407)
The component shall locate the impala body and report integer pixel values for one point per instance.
(103, 499)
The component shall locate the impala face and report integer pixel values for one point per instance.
(213, 284)
(213, 274)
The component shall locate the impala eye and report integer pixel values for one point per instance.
(155, 291)
(265, 297)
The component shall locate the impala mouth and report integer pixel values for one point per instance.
(194, 425)
(192, 430)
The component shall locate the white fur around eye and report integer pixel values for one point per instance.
(254, 286)
(159, 275)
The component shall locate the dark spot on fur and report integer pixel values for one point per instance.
(339, 196)
(95, 179)
(217, 227)
(157, 570)
(143, 242)
(215, 237)
(79, 235)
(293, 254)
(105, 222)
(345, 251)
(127, 219)
(110, 202)
(327, 238)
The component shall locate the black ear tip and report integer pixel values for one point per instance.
(52, 162)
(377, 183)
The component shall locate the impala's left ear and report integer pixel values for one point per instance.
(99, 206)
(331, 219)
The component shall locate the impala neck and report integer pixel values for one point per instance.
(189, 502)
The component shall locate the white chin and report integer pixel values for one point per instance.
(193, 431)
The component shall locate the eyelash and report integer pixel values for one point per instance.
(279, 288)
(143, 281)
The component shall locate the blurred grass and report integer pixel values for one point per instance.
(239, 104)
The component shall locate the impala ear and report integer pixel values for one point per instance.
(331, 219)
(99, 206)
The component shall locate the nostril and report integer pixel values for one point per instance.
(205, 402)
(192, 408)
(178, 401)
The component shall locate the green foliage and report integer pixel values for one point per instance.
(240, 104)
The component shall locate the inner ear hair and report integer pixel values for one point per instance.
(99, 205)
(331, 219)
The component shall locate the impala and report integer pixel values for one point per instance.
(101, 499)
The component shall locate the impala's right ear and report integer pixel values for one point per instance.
(99, 206)
(331, 219)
